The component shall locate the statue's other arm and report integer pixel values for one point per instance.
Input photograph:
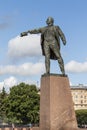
(61, 34)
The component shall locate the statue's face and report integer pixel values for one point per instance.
(49, 21)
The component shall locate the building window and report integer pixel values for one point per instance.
(81, 105)
(84, 101)
(76, 96)
(81, 101)
(85, 97)
(81, 96)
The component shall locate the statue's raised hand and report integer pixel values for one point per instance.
(24, 34)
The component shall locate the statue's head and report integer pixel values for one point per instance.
(49, 21)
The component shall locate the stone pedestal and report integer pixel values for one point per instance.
(56, 105)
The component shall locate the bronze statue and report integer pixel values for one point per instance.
(50, 43)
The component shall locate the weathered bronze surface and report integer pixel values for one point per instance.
(50, 43)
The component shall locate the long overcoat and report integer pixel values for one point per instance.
(58, 34)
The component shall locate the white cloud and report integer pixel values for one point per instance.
(24, 46)
(76, 67)
(26, 69)
(8, 83)
(11, 81)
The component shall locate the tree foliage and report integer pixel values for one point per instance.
(22, 104)
(81, 116)
(3, 96)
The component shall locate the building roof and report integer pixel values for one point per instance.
(79, 87)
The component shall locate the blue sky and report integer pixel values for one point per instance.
(21, 59)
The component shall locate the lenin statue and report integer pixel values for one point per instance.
(50, 43)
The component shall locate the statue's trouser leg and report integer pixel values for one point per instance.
(47, 58)
(61, 64)
(56, 51)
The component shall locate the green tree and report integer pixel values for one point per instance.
(81, 116)
(22, 104)
(3, 96)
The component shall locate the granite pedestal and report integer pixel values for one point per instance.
(56, 105)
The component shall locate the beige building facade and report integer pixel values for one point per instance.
(79, 95)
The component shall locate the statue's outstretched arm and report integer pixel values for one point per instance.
(35, 31)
